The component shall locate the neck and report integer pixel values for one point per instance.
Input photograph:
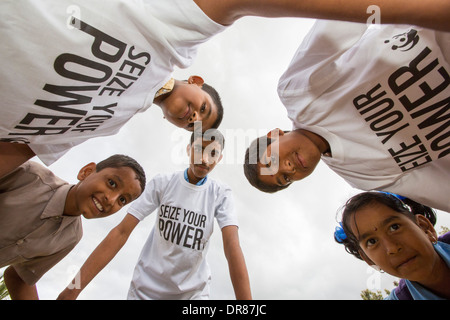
(70, 207)
(192, 178)
(319, 141)
(439, 282)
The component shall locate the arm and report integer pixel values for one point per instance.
(17, 288)
(416, 12)
(101, 256)
(236, 263)
(12, 155)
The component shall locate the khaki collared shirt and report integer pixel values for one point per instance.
(34, 233)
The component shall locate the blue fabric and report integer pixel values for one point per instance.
(200, 183)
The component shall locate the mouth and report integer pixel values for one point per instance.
(186, 114)
(300, 161)
(97, 204)
(406, 262)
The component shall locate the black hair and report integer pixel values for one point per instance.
(402, 205)
(209, 135)
(217, 101)
(252, 158)
(120, 160)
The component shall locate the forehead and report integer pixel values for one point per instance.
(205, 143)
(373, 215)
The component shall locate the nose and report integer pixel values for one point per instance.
(391, 246)
(288, 167)
(194, 117)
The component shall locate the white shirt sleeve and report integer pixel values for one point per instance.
(149, 200)
(225, 212)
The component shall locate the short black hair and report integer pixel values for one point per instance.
(217, 101)
(120, 160)
(209, 135)
(252, 157)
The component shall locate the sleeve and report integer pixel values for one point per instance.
(149, 200)
(313, 68)
(225, 211)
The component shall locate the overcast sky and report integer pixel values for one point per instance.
(287, 238)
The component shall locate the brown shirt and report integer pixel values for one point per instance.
(34, 233)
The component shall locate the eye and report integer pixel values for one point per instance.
(394, 227)
(112, 183)
(203, 107)
(371, 242)
(123, 200)
(287, 179)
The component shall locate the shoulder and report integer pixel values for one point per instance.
(31, 173)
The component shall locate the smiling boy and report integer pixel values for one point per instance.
(352, 94)
(40, 214)
(173, 263)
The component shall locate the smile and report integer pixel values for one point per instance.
(300, 161)
(97, 204)
(186, 114)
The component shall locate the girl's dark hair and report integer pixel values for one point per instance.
(120, 160)
(400, 204)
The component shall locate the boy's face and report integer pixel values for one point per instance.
(290, 157)
(204, 156)
(396, 243)
(189, 103)
(100, 194)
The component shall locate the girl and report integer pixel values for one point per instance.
(396, 234)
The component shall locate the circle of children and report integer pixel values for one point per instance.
(370, 102)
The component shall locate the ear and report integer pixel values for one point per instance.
(427, 227)
(273, 134)
(188, 150)
(86, 171)
(197, 80)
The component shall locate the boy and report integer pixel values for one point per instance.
(40, 214)
(110, 60)
(172, 264)
(373, 102)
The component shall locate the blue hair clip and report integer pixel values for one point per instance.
(399, 197)
(339, 233)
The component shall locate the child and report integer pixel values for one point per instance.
(395, 234)
(172, 264)
(110, 60)
(40, 214)
(353, 106)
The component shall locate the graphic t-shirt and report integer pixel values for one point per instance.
(76, 69)
(380, 97)
(172, 264)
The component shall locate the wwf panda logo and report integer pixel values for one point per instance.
(404, 41)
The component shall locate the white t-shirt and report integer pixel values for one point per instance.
(172, 264)
(380, 97)
(76, 69)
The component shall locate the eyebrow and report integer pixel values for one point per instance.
(381, 225)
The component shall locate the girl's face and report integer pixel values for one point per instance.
(398, 245)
